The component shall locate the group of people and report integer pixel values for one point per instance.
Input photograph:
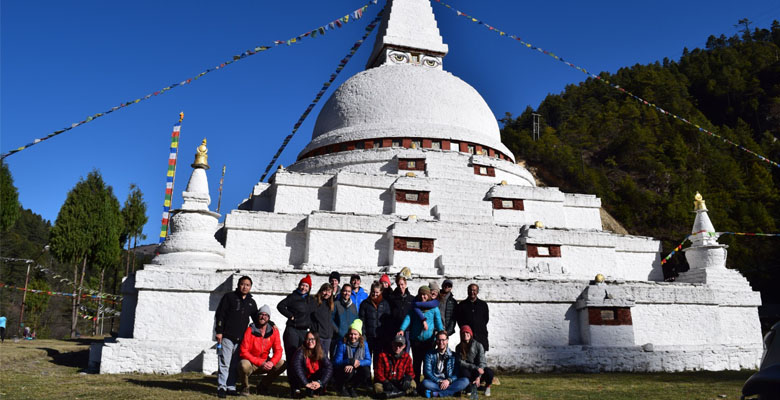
(336, 337)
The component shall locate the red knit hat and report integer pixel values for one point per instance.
(466, 328)
(306, 280)
(385, 278)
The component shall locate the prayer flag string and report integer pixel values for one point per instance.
(321, 93)
(54, 293)
(170, 178)
(338, 23)
(613, 85)
(715, 235)
(61, 279)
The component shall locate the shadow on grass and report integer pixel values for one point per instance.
(206, 384)
(74, 359)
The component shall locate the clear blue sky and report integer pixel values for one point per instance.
(62, 61)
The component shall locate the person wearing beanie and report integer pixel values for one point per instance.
(375, 314)
(231, 320)
(447, 304)
(385, 281)
(394, 375)
(334, 278)
(344, 313)
(421, 326)
(297, 308)
(473, 363)
(261, 352)
(352, 362)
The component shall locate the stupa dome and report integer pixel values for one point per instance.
(409, 101)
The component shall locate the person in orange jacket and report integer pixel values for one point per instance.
(261, 352)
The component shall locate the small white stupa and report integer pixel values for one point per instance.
(406, 171)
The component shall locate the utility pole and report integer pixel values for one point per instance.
(24, 298)
(537, 135)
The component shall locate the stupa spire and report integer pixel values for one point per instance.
(408, 26)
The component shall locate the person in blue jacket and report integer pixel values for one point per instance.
(358, 293)
(442, 372)
(421, 329)
(344, 312)
(352, 362)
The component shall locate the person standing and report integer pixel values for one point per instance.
(322, 316)
(442, 371)
(261, 352)
(334, 279)
(2, 328)
(358, 294)
(352, 362)
(394, 374)
(447, 304)
(473, 363)
(231, 319)
(344, 313)
(474, 312)
(297, 308)
(400, 303)
(421, 334)
(375, 314)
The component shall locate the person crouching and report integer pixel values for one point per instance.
(394, 374)
(442, 371)
(261, 352)
(473, 364)
(309, 371)
(352, 362)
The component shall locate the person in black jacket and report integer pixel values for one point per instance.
(377, 321)
(322, 316)
(400, 303)
(296, 307)
(231, 319)
(309, 370)
(474, 313)
(447, 304)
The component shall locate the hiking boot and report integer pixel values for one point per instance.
(221, 393)
(352, 392)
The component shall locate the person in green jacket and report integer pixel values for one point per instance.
(421, 330)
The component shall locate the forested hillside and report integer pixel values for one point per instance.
(647, 166)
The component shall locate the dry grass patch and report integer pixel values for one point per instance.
(54, 369)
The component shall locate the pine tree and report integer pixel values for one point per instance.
(9, 199)
(86, 232)
(134, 217)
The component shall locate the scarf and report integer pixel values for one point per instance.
(346, 303)
(441, 361)
(376, 301)
(355, 352)
(311, 367)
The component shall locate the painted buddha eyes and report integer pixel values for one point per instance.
(400, 58)
(431, 63)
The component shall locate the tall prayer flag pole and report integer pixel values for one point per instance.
(221, 181)
(170, 178)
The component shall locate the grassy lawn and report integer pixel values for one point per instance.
(52, 369)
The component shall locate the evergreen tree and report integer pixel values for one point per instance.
(134, 217)
(87, 231)
(9, 199)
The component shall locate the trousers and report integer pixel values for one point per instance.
(228, 364)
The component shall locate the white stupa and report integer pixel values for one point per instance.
(406, 169)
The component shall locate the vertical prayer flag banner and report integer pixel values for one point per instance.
(250, 52)
(326, 85)
(613, 85)
(169, 178)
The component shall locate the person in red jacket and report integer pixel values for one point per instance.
(261, 352)
(394, 375)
